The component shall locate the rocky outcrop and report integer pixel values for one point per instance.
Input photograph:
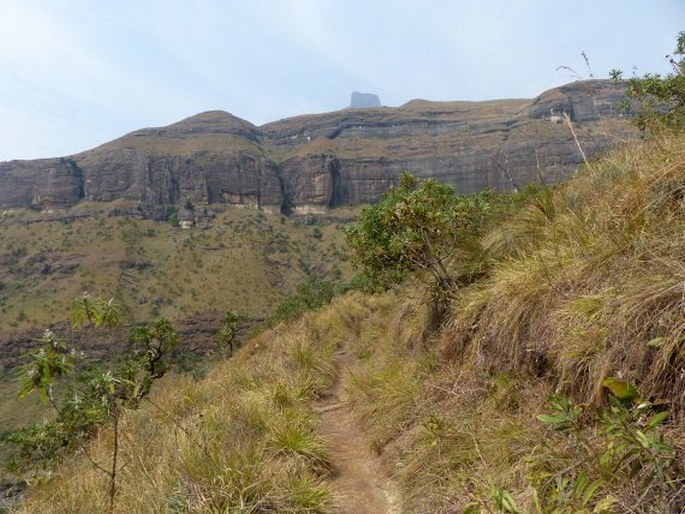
(42, 183)
(501, 144)
(213, 157)
(311, 183)
(309, 164)
(364, 101)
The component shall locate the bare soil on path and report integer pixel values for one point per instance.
(360, 486)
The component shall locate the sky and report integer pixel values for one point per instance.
(78, 73)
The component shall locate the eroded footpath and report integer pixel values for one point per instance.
(360, 485)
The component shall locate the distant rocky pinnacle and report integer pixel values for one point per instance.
(309, 164)
(364, 100)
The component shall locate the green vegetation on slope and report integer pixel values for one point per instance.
(584, 297)
(245, 261)
(243, 439)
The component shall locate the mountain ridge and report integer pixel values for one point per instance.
(312, 163)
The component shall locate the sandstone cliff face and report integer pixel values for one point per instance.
(309, 164)
(310, 183)
(236, 178)
(44, 183)
(213, 157)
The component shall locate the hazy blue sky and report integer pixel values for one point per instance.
(77, 73)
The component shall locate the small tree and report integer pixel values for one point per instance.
(615, 75)
(418, 226)
(97, 395)
(151, 347)
(225, 337)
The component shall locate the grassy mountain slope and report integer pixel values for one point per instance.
(584, 284)
(246, 260)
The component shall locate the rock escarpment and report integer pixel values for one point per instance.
(364, 100)
(57, 182)
(213, 157)
(309, 164)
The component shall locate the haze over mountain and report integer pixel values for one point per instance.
(311, 163)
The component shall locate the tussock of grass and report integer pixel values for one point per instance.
(586, 277)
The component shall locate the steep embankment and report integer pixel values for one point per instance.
(585, 295)
(585, 284)
(314, 162)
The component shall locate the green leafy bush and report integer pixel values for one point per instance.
(311, 294)
(419, 226)
(661, 99)
(628, 449)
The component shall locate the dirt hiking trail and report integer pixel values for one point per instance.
(360, 486)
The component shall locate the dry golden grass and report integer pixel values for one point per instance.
(441, 430)
(244, 439)
(586, 278)
(585, 283)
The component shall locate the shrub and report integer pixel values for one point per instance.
(225, 337)
(96, 396)
(309, 295)
(661, 99)
(419, 226)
